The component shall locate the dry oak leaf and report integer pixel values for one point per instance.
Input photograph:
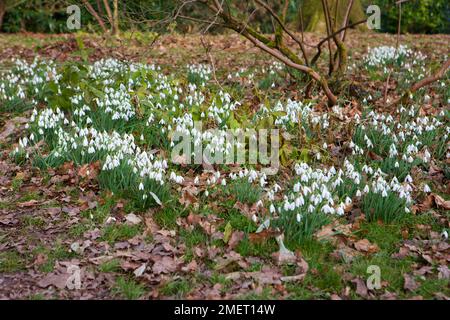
(236, 237)
(165, 265)
(89, 171)
(53, 279)
(263, 236)
(364, 245)
(188, 196)
(410, 284)
(361, 288)
(246, 210)
(133, 219)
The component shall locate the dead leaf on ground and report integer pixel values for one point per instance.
(361, 288)
(410, 284)
(364, 245)
(236, 237)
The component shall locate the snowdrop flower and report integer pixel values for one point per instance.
(366, 189)
(272, 208)
(426, 188)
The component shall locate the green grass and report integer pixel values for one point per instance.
(392, 270)
(6, 205)
(128, 289)
(429, 287)
(191, 239)
(31, 221)
(120, 232)
(110, 266)
(177, 288)
(266, 294)
(166, 218)
(77, 230)
(244, 191)
(16, 183)
(11, 261)
(37, 296)
(240, 222)
(247, 249)
(35, 195)
(56, 253)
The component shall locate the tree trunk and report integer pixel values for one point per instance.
(115, 29)
(95, 15)
(314, 19)
(2, 12)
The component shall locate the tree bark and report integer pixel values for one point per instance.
(115, 29)
(96, 16)
(2, 12)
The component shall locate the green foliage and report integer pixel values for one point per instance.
(298, 231)
(244, 191)
(128, 288)
(418, 16)
(386, 208)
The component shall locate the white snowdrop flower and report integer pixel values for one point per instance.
(141, 186)
(366, 189)
(358, 193)
(254, 218)
(348, 201)
(396, 164)
(340, 211)
(384, 194)
(299, 218)
(408, 179)
(272, 208)
(224, 182)
(206, 193)
(444, 234)
(196, 180)
(426, 188)
(407, 210)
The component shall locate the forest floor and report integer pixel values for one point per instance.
(199, 246)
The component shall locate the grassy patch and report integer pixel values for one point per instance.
(128, 288)
(191, 239)
(120, 232)
(11, 261)
(58, 252)
(247, 249)
(392, 270)
(177, 288)
(110, 266)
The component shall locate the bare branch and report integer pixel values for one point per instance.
(422, 83)
(291, 34)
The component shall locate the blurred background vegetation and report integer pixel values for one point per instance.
(49, 16)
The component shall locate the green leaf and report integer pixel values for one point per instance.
(227, 233)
